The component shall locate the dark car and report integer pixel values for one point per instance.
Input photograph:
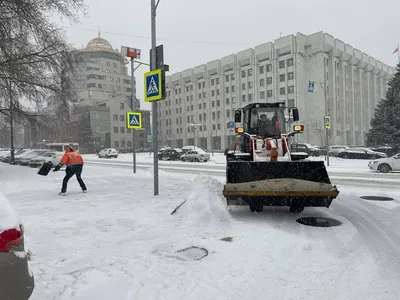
(306, 148)
(170, 154)
(361, 153)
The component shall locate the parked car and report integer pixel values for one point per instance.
(189, 148)
(304, 147)
(335, 150)
(108, 153)
(195, 155)
(18, 156)
(16, 280)
(170, 154)
(361, 153)
(385, 165)
(7, 158)
(53, 156)
(24, 160)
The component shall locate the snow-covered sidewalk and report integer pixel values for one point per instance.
(120, 242)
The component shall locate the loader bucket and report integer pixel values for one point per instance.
(279, 183)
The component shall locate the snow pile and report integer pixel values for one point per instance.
(8, 216)
(206, 202)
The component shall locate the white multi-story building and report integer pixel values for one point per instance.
(201, 101)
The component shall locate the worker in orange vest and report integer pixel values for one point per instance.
(74, 163)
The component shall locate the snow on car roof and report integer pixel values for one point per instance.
(8, 216)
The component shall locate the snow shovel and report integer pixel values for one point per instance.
(45, 168)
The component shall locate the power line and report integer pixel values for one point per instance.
(172, 40)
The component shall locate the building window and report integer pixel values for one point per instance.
(122, 118)
(250, 97)
(122, 129)
(233, 100)
(269, 68)
(262, 81)
(281, 64)
(226, 78)
(250, 84)
(204, 84)
(199, 85)
(282, 77)
(204, 105)
(199, 105)
(282, 91)
(213, 104)
(115, 117)
(243, 86)
(115, 129)
(212, 81)
(261, 69)
(290, 76)
(291, 89)
(228, 112)
(269, 93)
(129, 143)
(227, 89)
(217, 92)
(232, 76)
(262, 95)
(244, 98)
(232, 88)
(290, 62)
(121, 105)
(212, 93)
(204, 94)
(269, 80)
(116, 144)
(249, 72)
(243, 74)
(218, 103)
(199, 95)
(216, 80)
(227, 101)
(291, 103)
(213, 115)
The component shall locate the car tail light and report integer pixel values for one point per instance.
(10, 238)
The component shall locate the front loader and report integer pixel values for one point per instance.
(262, 171)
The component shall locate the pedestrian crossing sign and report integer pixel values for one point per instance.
(153, 86)
(134, 120)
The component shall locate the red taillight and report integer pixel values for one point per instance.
(9, 239)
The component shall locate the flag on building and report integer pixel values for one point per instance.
(396, 50)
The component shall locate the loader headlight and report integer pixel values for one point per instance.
(299, 128)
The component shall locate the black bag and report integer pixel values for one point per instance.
(45, 168)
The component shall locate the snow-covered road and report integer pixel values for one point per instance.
(119, 242)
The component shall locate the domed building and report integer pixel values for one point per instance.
(103, 92)
(101, 70)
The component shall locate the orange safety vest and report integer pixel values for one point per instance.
(71, 158)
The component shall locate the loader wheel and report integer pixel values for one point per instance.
(256, 207)
(296, 209)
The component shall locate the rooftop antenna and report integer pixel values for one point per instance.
(99, 32)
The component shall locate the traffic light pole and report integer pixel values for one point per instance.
(153, 66)
(133, 105)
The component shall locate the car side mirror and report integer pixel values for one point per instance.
(238, 116)
(295, 114)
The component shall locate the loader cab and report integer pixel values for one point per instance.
(264, 119)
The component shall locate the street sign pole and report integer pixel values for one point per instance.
(133, 105)
(327, 113)
(153, 66)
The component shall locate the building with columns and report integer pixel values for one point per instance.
(201, 101)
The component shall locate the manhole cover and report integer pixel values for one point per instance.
(376, 198)
(193, 252)
(319, 222)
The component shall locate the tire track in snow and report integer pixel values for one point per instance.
(381, 240)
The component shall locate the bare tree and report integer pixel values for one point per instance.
(34, 55)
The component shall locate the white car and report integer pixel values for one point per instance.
(53, 156)
(385, 165)
(108, 153)
(195, 155)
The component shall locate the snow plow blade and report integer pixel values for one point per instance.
(295, 184)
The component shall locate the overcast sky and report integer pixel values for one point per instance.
(198, 31)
